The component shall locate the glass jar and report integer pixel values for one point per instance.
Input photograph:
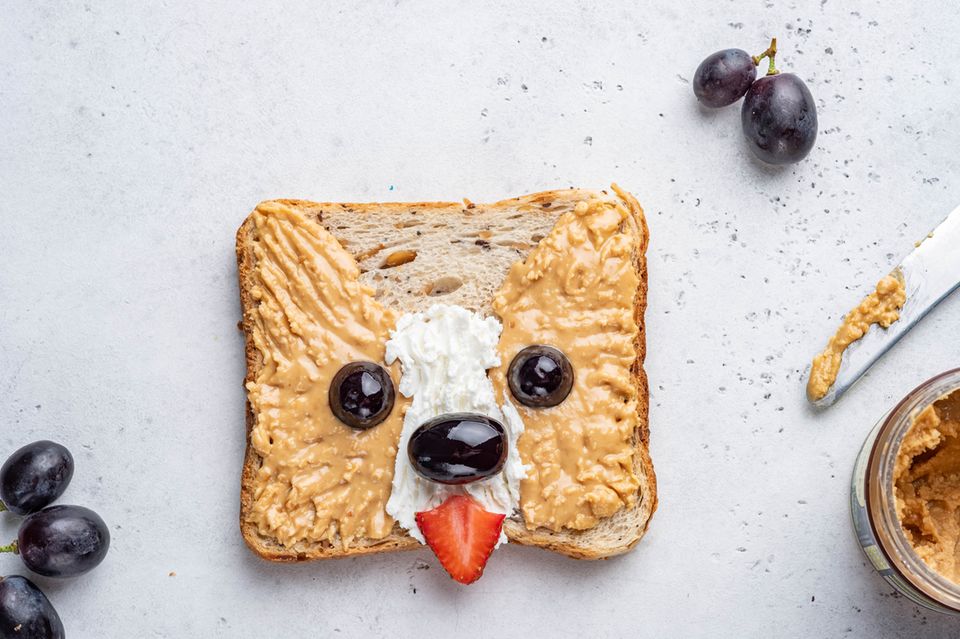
(874, 508)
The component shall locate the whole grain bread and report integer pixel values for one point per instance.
(414, 254)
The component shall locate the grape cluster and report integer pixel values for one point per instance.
(53, 541)
(779, 117)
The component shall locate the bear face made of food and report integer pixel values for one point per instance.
(372, 429)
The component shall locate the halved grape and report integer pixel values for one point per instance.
(540, 376)
(458, 448)
(361, 395)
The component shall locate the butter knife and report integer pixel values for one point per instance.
(930, 273)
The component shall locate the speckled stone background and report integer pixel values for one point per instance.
(135, 137)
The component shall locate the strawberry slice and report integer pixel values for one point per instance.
(462, 536)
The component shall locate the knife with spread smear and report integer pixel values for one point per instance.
(901, 299)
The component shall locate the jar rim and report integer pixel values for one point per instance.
(880, 499)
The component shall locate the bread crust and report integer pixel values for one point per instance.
(609, 538)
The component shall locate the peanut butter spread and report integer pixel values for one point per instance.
(576, 291)
(926, 480)
(319, 479)
(880, 307)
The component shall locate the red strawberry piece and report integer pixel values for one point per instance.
(462, 536)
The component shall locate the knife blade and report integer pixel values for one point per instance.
(930, 273)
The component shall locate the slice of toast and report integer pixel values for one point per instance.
(463, 252)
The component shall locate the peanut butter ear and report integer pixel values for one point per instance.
(310, 291)
(577, 291)
(319, 480)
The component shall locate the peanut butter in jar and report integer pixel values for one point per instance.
(905, 495)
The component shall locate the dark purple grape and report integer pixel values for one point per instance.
(540, 376)
(34, 476)
(723, 77)
(458, 448)
(63, 541)
(779, 119)
(361, 394)
(25, 612)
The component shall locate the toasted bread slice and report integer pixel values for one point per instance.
(461, 254)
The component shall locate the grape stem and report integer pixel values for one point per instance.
(770, 54)
(13, 547)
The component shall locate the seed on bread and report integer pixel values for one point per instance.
(443, 285)
(361, 256)
(399, 257)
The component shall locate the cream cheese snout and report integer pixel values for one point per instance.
(457, 436)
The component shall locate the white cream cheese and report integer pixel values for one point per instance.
(445, 354)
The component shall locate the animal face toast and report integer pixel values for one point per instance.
(379, 419)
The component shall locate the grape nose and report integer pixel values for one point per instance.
(458, 448)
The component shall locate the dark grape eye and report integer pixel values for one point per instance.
(63, 541)
(26, 612)
(779, 119)
(540, 376)
(34, 476)
(458, 448)
(723, 77)
(361, 394)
